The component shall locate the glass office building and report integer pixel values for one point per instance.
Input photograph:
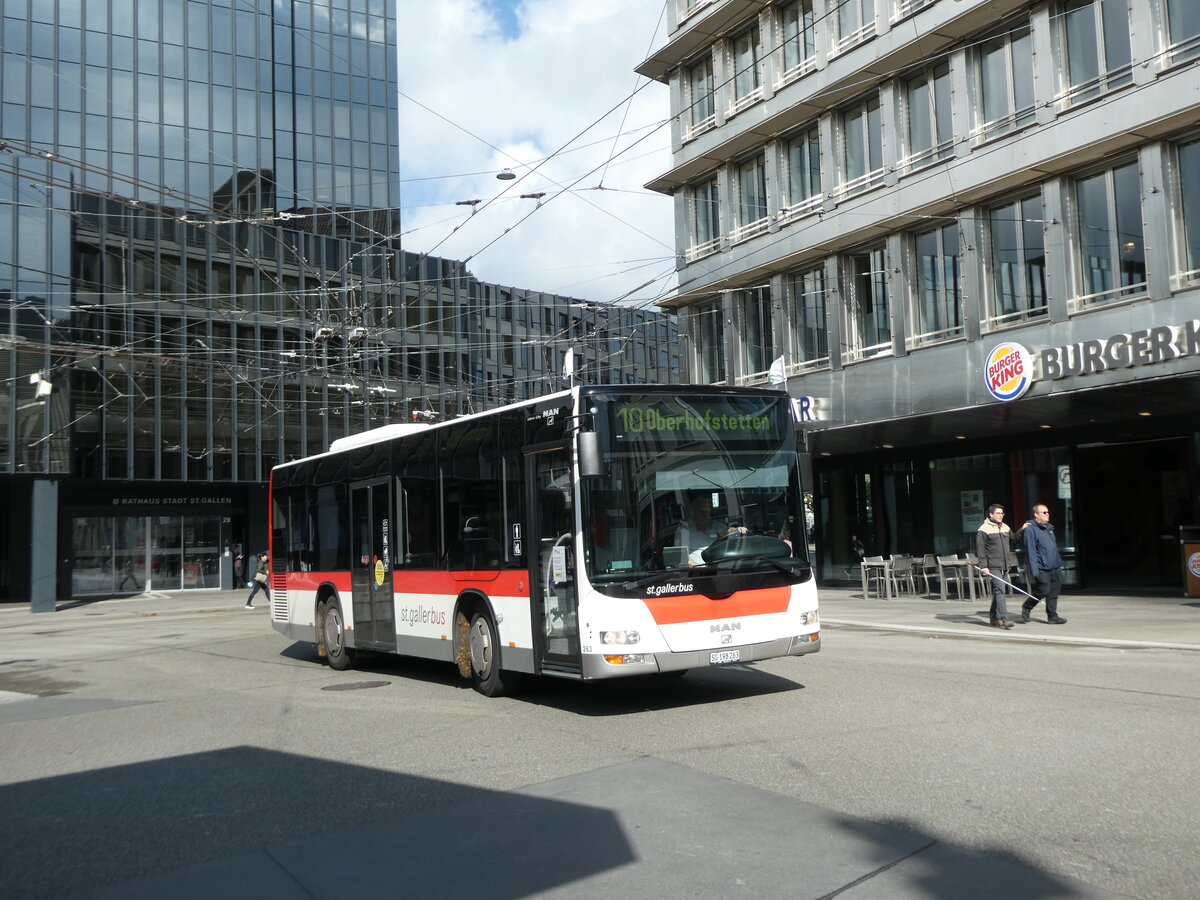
(971, 229)
(201, 276)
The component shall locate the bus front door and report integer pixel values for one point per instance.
(552, 558)
(371, 565)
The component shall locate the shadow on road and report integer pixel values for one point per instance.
(618, 697)
(71, 833)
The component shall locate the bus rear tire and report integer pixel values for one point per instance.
(333, 636)
(486, 675)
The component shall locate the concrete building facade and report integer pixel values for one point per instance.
(971, 230)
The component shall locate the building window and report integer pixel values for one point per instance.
(803, 174)
(806, 289)
(929, 123)
(752, 199)
(747, 69)
(867, 308)
(689, 7)
(862, 147)
(908, 7)
(1112, 253)
(799, 39)
(1183, 29)
(936, 284)
(1005, 83)
(1188, 166)
(856, 23)
(757, 336)
(710, 344)
(1017, 260)
(705, 218)
(701, 97)
(1095, 46)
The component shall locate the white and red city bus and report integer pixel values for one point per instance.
(558, 536)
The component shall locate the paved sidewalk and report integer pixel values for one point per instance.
(1114, 620)
(157, 604)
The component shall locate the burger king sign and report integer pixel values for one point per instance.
(1008, 371)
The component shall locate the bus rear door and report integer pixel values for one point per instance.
(371, 565)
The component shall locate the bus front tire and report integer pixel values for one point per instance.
(333, 636)
(486, 674)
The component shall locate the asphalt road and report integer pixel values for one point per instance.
(145, 745)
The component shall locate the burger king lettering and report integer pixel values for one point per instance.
(1010, 369)
(1137, 348)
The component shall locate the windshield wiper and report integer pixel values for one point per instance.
(786, 565)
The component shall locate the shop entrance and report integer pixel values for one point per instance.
(114, 555)
(1131, 500)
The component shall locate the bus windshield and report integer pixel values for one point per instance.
(691, 483)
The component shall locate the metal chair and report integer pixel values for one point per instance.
(950, 571)
(925, 568)
(902, 573)
(983, 582)
(874, 575)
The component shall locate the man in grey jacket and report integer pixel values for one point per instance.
(1043, 565)
(994, 548)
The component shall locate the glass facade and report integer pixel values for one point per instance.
(200, 265)
(200, 184)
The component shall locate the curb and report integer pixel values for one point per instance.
(1003, 636)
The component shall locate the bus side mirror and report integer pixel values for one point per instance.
(591, 465)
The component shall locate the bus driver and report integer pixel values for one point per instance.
(700, 529)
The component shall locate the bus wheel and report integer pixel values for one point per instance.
(333, 636)
(486, 675)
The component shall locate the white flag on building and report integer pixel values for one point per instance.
(775, 374)
(569, 363)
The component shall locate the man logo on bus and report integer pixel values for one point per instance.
(1008, 372)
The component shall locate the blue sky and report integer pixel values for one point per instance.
(479, 96)
(505, 12)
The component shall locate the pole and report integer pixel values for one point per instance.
(1009, 583)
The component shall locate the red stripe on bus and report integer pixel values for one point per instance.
(310, 581)
(505, 583)
(698, 608)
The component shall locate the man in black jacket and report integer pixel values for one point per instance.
(1043, 565)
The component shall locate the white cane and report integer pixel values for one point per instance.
(1009, 583)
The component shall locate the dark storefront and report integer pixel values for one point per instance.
(115, 540)
(1114, 452)
(1116, 507)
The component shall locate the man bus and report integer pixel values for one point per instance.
(550, 537)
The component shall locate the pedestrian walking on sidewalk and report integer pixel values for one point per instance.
(994, 542)
(260, 581)
(1043, 564)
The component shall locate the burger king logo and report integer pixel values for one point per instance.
(1008, 371)
(1194, 564)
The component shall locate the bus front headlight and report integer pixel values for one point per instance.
(620, 637)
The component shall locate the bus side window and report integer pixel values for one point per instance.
(400, 537)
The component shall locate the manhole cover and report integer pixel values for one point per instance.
(355, 685)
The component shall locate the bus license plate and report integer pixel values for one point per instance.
(721, 657)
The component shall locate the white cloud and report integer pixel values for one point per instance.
(513, 102)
